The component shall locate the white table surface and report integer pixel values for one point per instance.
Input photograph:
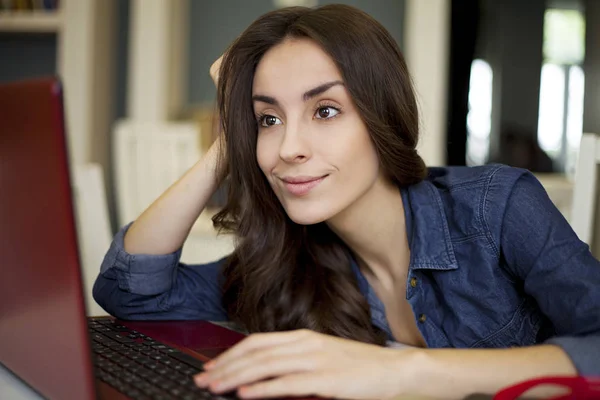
(12, 388)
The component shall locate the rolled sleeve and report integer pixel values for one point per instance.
(158, 287)
(584, 352)
(140, 273)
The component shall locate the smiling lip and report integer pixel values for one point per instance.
(301, 185)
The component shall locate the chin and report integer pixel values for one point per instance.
(304, 214)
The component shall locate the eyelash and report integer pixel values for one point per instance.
(326, 104)
(261, 116)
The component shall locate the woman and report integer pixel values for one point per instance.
(347, 242)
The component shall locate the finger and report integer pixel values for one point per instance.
(248, 360)
(215, 68)
(255, 342)
(260, 355)
(264, 366)
(301, 384)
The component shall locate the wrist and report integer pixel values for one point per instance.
(410, 366)
(209, 164)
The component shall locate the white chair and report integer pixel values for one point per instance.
(93, 227)
(149, 157)
(585, 188)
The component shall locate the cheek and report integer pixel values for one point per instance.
(356, 152)
(362, 164)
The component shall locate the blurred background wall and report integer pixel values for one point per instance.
(213, 25)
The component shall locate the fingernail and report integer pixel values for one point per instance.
(215, 386)
(200, 379)
(209, 365)
(245, 392)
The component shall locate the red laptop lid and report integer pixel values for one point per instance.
(43, 331)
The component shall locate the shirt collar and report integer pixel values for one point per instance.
(427, 228)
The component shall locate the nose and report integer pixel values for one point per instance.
(295, 147)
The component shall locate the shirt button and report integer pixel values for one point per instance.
(422, 318)
(413, 282)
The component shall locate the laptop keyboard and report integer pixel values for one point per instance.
(141, 367)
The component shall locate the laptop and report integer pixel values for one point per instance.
(45, 337)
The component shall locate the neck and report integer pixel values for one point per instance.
(374, 228)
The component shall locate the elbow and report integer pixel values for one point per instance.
(104, 293)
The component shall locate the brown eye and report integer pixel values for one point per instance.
(326, 112)
(269, 120)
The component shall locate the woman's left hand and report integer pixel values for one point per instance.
(304, 363)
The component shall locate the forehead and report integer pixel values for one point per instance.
(292, 67)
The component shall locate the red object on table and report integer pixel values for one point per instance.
(581, 388)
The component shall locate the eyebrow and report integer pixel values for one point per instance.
(305, 97)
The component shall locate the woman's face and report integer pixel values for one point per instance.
(312, 145)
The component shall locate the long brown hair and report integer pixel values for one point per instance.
(283, 275)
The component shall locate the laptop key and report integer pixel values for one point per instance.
(187, 359)
(105, 321)
(101, 350)
(101, 328)
(166, 385)
(127, 364)
(190, 371)
(176, 391)
(114, 345)
(176, 365)
(119, 338)
(110, 355)
(153, 365)
(183, 381)
(144, 373)
(97, 337)
(145, 361)
(118, 327)
(148, 351)
(112, 369)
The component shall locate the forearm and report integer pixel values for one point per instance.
(457, 373)
(165, 224)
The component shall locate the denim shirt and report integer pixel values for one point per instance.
(493, 264)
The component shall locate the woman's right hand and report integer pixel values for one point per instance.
(165, 225)
(215, 68)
